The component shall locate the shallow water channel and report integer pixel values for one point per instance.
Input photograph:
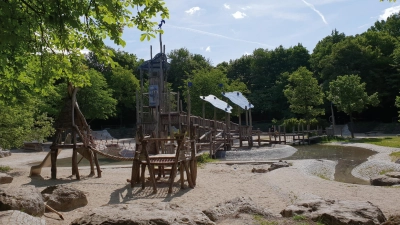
(347, 157)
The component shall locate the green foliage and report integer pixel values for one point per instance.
(304, 94)
(349, 95)
(4, 169)
(96, 101)
(204, 158)
(205, 82)
(183, 65)
(19, 123)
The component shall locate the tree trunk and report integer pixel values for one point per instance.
(352, 126)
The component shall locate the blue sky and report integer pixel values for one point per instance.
(224, 30)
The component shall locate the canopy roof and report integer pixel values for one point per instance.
(218, 103)
(238, 98)
(154, 63)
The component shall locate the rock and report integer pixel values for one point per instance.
(235, 206)
(143, 213)
(5, 178)
(383, 180)
(64, 198)
(26, 199)
(278, 165)
(4, 153)
(336, 212)
(398, 161)
(254, 170)
(393, 220)
(20, 218)
(393, 174)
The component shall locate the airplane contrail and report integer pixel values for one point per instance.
(219, 35)
(313, 8)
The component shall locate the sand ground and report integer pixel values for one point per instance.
(216, 183)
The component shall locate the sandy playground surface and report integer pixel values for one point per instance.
(216, 182)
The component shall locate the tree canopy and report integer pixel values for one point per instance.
(349, 95)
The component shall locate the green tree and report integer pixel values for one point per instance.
(96, 101)
(124, 85)
(304, 94)
(206, 82)
(19, 124)
(183, 64)
(349, 95)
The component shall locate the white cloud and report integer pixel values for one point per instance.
(239, 15)
(208, 49)
(227, 6)
(192, 10)
(313, 8)
(246, 7)
(388, 12)
(246, 53)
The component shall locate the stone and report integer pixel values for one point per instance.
(398, 161)
(278, 165)
(393, 220)
(244, 205)
(20, 218)
(5, 178)
(337, 212)
(4, 153)
(393, 174)
(64, 198)
(26, 199)
(143, 213)
(383, 180)
(254, 170)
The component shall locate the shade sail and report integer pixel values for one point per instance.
(238, 98)
(218, 103)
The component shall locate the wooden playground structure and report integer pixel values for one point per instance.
(168, 139)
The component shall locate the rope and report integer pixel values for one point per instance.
(119, 158)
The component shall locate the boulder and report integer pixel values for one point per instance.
(278, 165)
(5, 178)
(337, 212)
(64, 198)
(384, 180)
(244, 205)
(26, 199)
(393, 220)
(143, 213)
(4, 153)
(20, 218)
(398, 161)
(393, 174)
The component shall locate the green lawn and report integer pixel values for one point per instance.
(384, 141)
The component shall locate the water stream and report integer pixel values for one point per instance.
(347, 157)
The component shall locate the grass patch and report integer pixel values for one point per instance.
(322, 176)
(4, 169)
(262, 221)
(329, 139)
(205, 158)
(299, 217)
(395, 156)
(393, 142)
(383, 172)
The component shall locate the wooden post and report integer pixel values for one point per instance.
(259, 136)
(188, 114)
(53, 156)
(204, 113)
(251, 120)
(247, 117)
